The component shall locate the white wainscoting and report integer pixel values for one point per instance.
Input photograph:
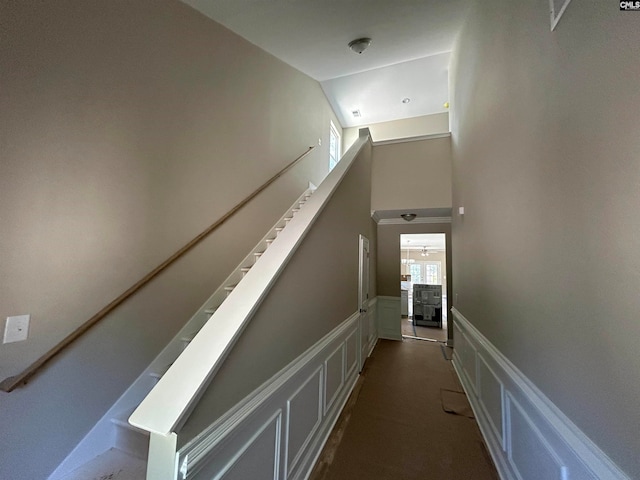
(389, 318)
(528, 436)
(278, 431)
(368, 331)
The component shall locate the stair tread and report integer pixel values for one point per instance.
(113, 464)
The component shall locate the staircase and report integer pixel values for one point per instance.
(116, 450)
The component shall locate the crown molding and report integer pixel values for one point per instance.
(411, 139)
(400, 221)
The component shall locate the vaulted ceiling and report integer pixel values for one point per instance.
(408, 57)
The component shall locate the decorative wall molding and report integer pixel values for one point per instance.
(527, 435)
(389, 317)
(417, 138)
(400, 221)
(287, 419)
(368, 332)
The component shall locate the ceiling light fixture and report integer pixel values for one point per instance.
(359, 45)
(408, 216)
(406, 100)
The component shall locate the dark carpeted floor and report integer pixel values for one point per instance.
(394, 425)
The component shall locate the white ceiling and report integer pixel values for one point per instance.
(312, 36)
(417, 241)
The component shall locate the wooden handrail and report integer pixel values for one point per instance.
(10, 383)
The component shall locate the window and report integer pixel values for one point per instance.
(426, 272)
(334, 146)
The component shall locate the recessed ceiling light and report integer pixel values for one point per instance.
(406, 100)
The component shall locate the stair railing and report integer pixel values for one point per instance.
(9, 384)
(173, 398)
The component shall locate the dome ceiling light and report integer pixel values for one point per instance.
(359, 45)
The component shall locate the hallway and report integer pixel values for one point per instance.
(394, 425)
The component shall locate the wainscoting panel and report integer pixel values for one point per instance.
(490, 395)
(278, 431)
(334, 377)
(389, 318)
(530, 454)
(304, 413)
(369, 331)
(351, 353)
(253, 451)
(528, 437)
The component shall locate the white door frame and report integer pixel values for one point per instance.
(363, 298)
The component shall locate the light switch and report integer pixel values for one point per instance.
(16, 329)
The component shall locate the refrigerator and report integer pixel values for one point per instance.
(427, 305)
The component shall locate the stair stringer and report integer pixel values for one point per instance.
(104, 435)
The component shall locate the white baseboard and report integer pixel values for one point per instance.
(280, 429)
(527, 435)
(389, 318)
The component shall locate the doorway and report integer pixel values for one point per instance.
(423, 286)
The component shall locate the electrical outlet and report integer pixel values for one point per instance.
(16, 329)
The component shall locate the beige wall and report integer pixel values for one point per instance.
(412, 175)
(545, 162)
(126, 129)
(388, 254)
(403, 128)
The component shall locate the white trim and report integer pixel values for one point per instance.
(400, 221)
(389, 318)
(327, 403)
(577, 455)
(555, 16)
(163, 460)
(320, 374)
(417, 138)
(277, 416)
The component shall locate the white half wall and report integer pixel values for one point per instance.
(389, 317)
